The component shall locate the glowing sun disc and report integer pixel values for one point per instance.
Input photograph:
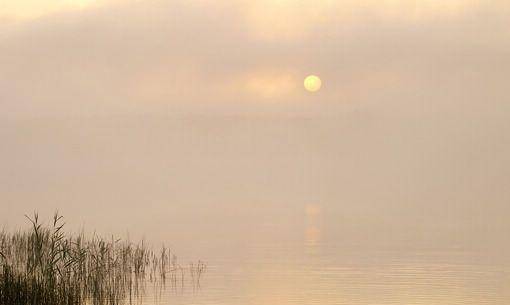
(312, 83)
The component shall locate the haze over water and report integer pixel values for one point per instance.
(185, 123)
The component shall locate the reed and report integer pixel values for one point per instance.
(45, 266)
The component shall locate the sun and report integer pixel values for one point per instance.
(312, 83)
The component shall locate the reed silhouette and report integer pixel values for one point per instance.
(45, 266)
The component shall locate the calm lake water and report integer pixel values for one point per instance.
(312, 260)
(282, 210)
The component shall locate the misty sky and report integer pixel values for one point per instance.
(109, 104)
(131, 57)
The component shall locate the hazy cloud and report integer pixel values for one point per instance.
(167, 56)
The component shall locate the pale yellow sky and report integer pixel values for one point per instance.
(90, 56)
(112, 104)
(24, 10)
(276, 10)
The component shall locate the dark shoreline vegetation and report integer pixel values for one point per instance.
(45, 266)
